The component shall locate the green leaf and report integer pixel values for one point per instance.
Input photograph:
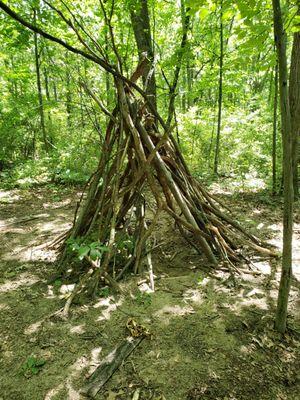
(104, 292)
(94, 254)
(30, 362)
(34, 370)
(57, 283)
(83, 251)
(203, 13)
(40, 363)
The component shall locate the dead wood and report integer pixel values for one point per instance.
(109, 365)
(135, 156)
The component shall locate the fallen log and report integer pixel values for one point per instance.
(109, 365)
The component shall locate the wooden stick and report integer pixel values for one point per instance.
(109, 365)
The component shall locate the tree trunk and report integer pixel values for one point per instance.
(220, 98)
(46, 79)
(68, 95)
(173, 87)
(274, 139)
(286, 272)
(48, 96)
(141, 27)
(294, 97)
(54, 90)
(107, 75)
(39, 87)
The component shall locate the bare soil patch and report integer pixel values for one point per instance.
(211, 334)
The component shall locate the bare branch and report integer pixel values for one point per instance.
(84, 30)
(71, 25)
(98, 60)
(98, 101)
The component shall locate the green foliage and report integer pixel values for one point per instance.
(32, 366)
(94, 250)
(75, 127)
(124, 247)
(104, 292)
(143, 299)
(245, 149)
(57, 283)
(56, 168)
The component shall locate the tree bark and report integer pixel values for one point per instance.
(68, 94)
(220, 97)
(48, 97)
(141, 27)
(274, 138)
(39, 87)
(172, 88)
(286, 272)
(294, 97)
(109, 365)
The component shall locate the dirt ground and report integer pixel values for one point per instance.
(211, 334)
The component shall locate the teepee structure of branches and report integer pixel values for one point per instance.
(140, 160)
(136, 157)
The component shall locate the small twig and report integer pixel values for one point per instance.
(150, 267)
(23, 220)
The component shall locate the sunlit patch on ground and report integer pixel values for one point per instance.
(168, 312)
(194, 296)
(24, 279)
(77, 329)
(94, 359)
(53, 392)
(110, 306)
(89, 364)
(57, 204)
(8, 197)
(50, 292)
(263, 267)
(33, 328)
(3, 307)
(65, 289)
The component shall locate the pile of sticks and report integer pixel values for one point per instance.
(135, 156)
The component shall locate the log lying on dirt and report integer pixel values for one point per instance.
(109, 365)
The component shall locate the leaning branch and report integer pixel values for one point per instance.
(48, 36)
(109, 68)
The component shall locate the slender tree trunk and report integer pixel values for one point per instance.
(189, 75)
(141, 27)
(286, 272)
(107, 75)
(54, 91)
(220, 99)
(184, 94)
(274, 138)
(46, 79)
(39, 87)
(173, 86)
(48, 96)
(81, 98)
(294, 97)
(68, 95)
(14, 87)
(187, 79)
(271, 86)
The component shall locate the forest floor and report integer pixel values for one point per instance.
(211, 334)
